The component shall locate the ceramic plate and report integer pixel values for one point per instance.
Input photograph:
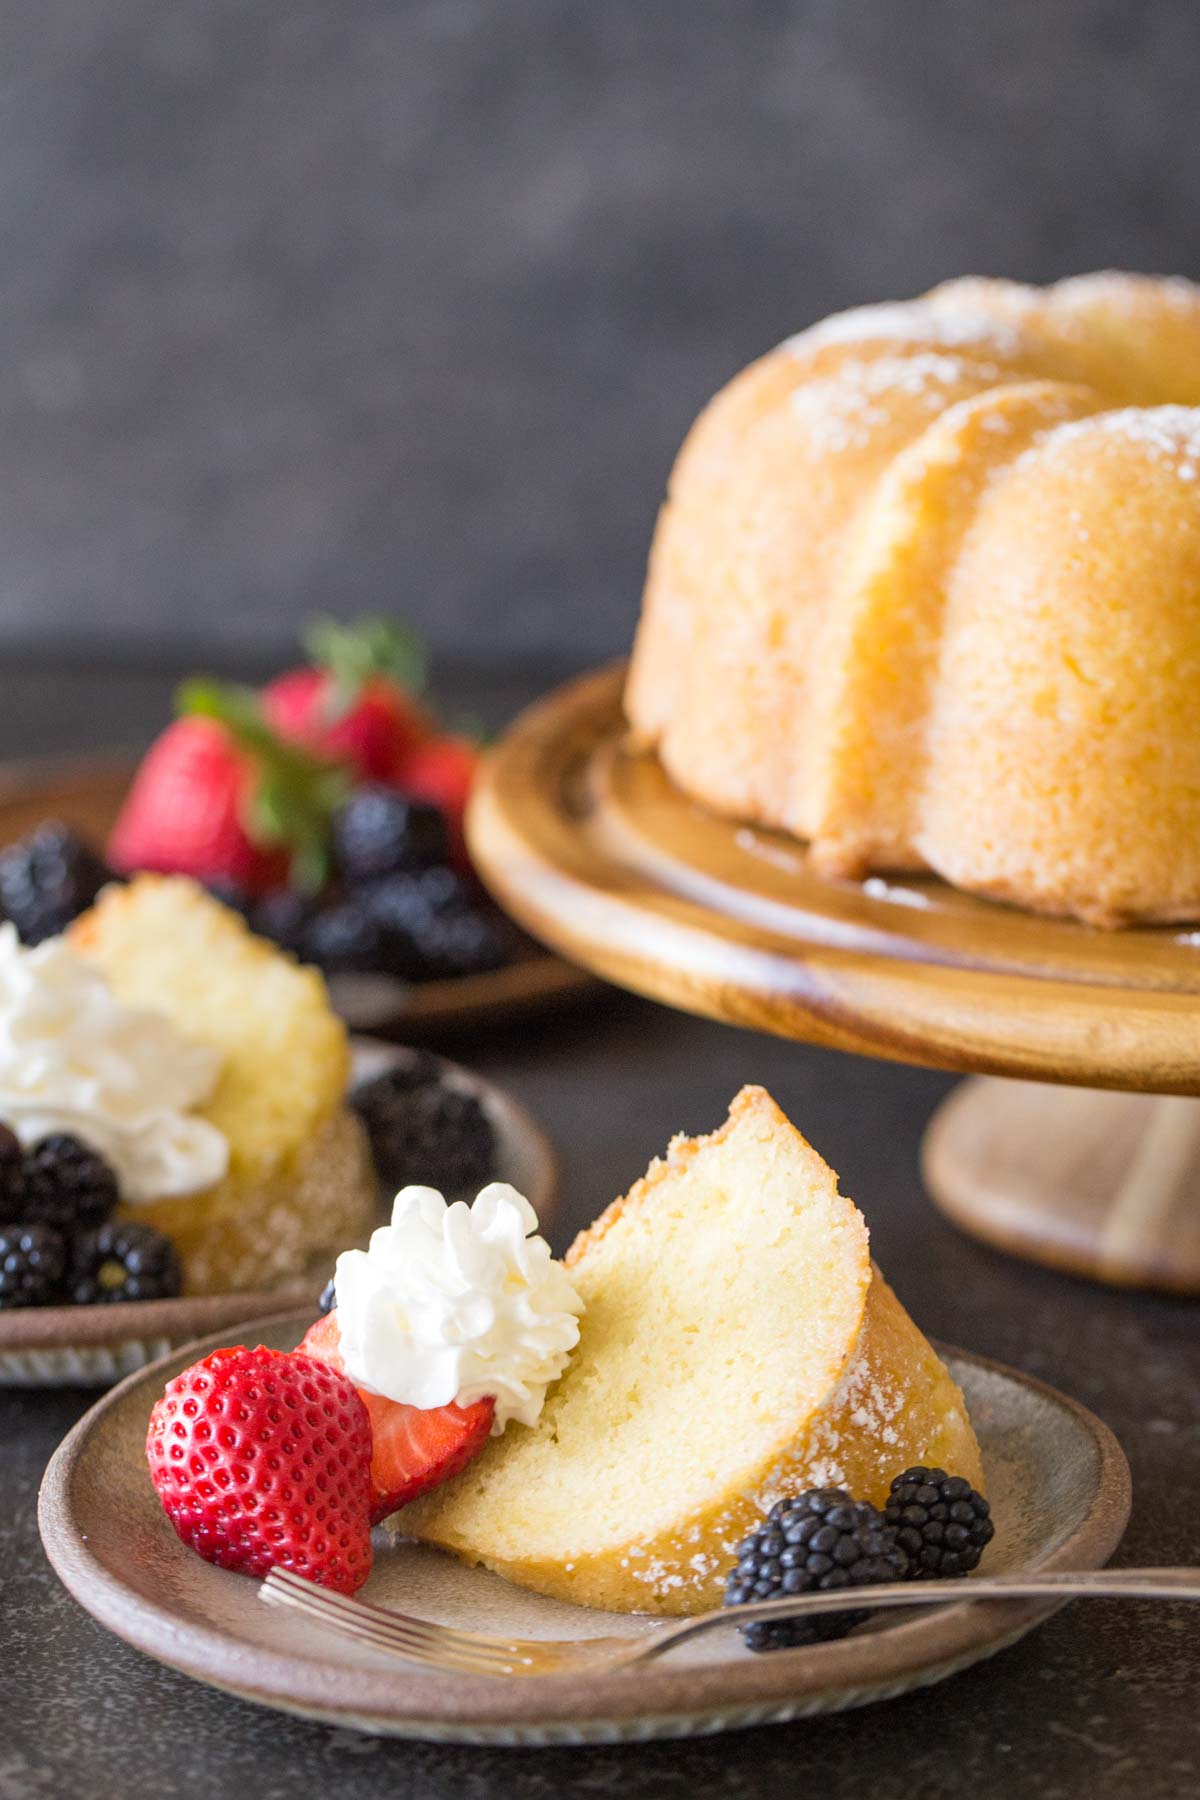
(87, 793)
(53, 1346)
(1059, 1486)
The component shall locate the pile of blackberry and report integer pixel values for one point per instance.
(59, 1242)
(825, 1541)
(396, 903)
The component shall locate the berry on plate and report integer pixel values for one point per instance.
(413, 1449)
(940, 1521)
(380, 831)
(426, 1131)
(261, 1461)
(123, 1260)
(815, 1542)
(32, 1258)
(355, 702)
(433, 927)
(47, 879)
(67, 1184)
(220, 797)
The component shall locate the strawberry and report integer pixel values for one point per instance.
(442, 771)
(413, 1449)
(356, 703)
(262, 1460)
(220, 797)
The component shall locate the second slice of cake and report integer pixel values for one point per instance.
(736, 1344)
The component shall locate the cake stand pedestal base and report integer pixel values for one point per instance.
(1105, 1185)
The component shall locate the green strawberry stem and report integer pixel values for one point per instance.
(294, 795)
(353, 654)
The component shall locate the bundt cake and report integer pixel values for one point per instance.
(926, 592)
(736, 1344)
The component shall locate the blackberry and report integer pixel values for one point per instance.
(460, 941)
(68, 1185)
(122, 1261)
(285, 917)
(379, 832)
(32, 1259)
(12, 1176)
(328, 1299)
(810, 1543)
(343, 938)
(433, 926)
(48, 879)
(430, 1133)
(940, 1521)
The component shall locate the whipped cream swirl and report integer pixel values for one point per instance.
(456, 1303)
(73, 1059)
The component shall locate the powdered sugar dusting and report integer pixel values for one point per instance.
(842, 411)
(872, 1404)
(1169, 434)
(909, 321)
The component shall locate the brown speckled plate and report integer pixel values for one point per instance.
(56, 1346)
(1059, 1486)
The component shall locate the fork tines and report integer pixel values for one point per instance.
(422, 1641)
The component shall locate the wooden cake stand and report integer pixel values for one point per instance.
(589, 845)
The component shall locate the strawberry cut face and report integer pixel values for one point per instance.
(413, 1449)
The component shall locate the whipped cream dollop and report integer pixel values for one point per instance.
(457, 1303)
(73, 1059)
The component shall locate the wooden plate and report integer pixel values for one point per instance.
(56, 1346)
(588, 844)
(1059, 1486)
(87, 794)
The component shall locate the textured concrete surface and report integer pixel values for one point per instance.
(409, 302)
(1098, 1704)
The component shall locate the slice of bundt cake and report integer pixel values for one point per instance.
(300, 1184)
(736, 1344)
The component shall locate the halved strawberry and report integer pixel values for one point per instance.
(356, 703)
(413, 1448)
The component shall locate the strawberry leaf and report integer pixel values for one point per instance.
(352, 655)
(291, 801)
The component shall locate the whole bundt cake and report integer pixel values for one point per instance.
(926, 592)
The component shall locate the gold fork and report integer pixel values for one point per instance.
(474, 1653)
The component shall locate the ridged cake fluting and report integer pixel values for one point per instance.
(925, 592)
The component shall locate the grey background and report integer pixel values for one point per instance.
(349, 304)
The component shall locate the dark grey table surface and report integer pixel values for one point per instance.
(1102, 1701)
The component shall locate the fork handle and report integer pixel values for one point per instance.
(1064, 1584)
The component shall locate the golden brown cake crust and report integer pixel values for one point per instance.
(925, 592)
